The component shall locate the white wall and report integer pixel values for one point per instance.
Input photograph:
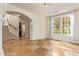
(2, 12)
(77, 25)
(38, 22)
(47, 26)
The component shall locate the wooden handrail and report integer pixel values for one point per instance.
(12, 25)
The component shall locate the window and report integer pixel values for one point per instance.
(63, 24)
(66, 25)
(56, 25)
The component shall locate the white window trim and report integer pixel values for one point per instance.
(71, 26)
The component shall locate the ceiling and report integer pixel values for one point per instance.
(52, 9)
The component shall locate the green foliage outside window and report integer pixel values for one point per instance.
(62, 25)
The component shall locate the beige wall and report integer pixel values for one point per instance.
(38, 22)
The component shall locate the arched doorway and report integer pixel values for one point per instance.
(18, 25)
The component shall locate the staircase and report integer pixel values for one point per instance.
(7, 35)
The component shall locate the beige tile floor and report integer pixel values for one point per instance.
(42, 47)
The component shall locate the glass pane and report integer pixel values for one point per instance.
(56, 25)
(66, 25)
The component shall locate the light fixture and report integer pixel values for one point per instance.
(45, 4)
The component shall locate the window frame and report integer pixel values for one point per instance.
(71, 15)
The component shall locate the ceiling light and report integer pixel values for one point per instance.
(45, 4)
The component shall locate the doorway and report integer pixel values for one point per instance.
(16, 25)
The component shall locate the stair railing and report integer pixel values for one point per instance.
(12, 25)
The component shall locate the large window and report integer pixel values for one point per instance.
(63, 24)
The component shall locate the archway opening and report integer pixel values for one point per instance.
(16, 25)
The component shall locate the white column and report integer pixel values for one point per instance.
(2, 13)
